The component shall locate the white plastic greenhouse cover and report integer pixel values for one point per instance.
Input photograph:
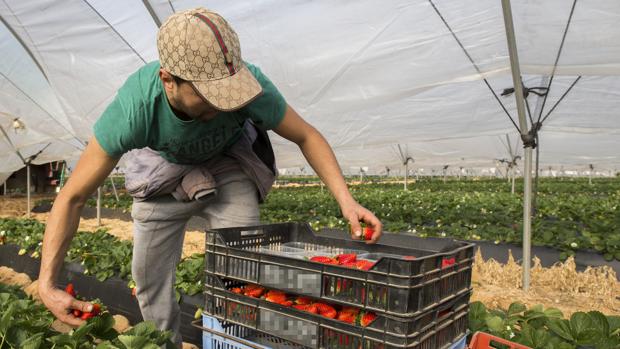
(370, 75)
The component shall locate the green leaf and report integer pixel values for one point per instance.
(33, 342)
(579, 322)
(106, 345)
(561, 327)
(516, 308)
(145, 329)
(79, 333)
(599, 322)
(133, 342)
(553, 313)
(495, 323)
(104, 327)
(614, 324)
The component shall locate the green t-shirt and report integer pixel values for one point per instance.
(140, 116)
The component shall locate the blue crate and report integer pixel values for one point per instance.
(213, 341)
(460, 344)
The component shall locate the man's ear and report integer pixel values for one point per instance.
(167, 79)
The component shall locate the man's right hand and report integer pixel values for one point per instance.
(91, 170)
(62, 304)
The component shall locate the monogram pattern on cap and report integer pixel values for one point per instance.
(188, 48)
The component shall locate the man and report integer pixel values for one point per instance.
(190, 109)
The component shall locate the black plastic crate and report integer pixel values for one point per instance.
(316, 331)
(440, 271)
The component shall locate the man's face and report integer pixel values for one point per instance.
(186, 100)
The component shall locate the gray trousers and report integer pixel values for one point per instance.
(159, 230)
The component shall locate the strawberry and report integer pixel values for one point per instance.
(96, 309)
(346, 258)
(365, 318)
(364, 264)
(302, 307)
(367, 235)
(254, 291)
(326, 310)
(324, 260)
(275, 296)
(446, 262)
(303, 300)
(346, 317)
(87, 315)
(312, 308)
(236, 290)
(350, 264)
(77, 313)
(287, 303)
(70, 290)
(350, 310)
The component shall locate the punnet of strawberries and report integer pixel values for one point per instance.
(346, 314)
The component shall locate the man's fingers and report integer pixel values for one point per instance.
(356, 228)
(81, 306)
(71, 320)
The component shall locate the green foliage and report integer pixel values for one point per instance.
(26, 324)
(541, 328)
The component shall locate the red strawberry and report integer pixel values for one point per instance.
(364, 264)
(446, 262)
(87, 315)
(367, 233)
(254, 292)
(312, 308)
(70, 290)
(96, 309)
(237, 290)
(346, 258)
(302, 307)
(77, 313)
(303, 300)
(346, 317)
(326, 310)
(275, 296)
(350, 310)
(287, 303)
(324, 260)
(366, 318)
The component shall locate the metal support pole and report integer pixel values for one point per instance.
(99, 206)
(527, 176)
(406, 172)
(28, 190)
(512, 174)
(114, 189)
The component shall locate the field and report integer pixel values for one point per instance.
(571, 215)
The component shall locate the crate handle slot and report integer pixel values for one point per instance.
(247, 234)
(197, 324)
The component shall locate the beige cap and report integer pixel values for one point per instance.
(199, 46)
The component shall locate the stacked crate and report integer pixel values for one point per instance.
(418, 288)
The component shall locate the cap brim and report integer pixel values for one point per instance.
(230, 93)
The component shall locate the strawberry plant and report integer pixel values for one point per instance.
(26, 324)
(541, 328)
